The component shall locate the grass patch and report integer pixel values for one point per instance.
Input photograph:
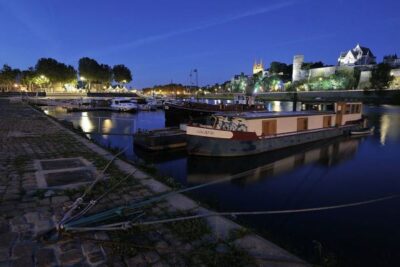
(190, 230)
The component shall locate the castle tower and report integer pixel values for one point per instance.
(258, 67)
(298, 61)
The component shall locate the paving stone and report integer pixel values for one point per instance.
(32, 216)
(4, 226)
(21, 227)
(96, 257)
(90, 247)
(44, 202)
(23, 249)
(71, 257)
(162, 247)
(43, 226)
(175, 260)
(137, 261)
(26, 261)
(18, 220)
(160, 264)
(101, 236)
(45, 258)
(69, 245)
(59, 200)
(151, 257)
(6, 239)
(4, 254)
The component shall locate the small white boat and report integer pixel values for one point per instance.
(122, 104)
(144, 104)
(363, 131)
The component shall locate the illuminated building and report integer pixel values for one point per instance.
(359, 55)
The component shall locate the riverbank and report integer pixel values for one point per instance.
(38, 159)
(365, 96)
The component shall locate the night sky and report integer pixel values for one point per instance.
(161, 41)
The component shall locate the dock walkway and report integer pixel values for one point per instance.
(43, 167)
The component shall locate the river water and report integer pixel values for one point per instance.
(332, 172)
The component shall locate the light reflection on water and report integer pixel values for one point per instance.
(336, 171)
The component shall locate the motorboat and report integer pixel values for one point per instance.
(123, 104)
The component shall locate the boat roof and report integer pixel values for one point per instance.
(251, 115)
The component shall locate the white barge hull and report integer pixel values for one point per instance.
(233, 144)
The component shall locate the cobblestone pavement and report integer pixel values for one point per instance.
(28, 213)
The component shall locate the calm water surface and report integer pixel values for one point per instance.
(331, 172)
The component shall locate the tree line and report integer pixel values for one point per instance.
(48, 72)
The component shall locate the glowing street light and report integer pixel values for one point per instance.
(82, 78)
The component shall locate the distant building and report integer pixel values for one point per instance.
(258, 67)
(392, 60)
(357, 56)
(298, 74)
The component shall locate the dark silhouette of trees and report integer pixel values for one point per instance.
(8, 76)
(312, 65)
(282, 69)
(122, 74)
(54, 71)
(93, 72)
(381, 77)
(28, 77)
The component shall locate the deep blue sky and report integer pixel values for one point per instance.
(162, 40)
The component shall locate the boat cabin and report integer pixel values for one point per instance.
(277, 123)
(120, 100)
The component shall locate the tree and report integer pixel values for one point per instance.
(381, 77)
(55, 71)
(284, 70)
(277, 67)
(8, 76)
(88, 70)
(312, 65)
(104, 74)
(121, 74)
(27, 78)
(93, 72)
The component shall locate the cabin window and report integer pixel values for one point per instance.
(302, 124)
(269, 127)
(348, 109)
(358, 108)
(353, 109)
(327, 121)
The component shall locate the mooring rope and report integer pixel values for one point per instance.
(129, 224)
(92, 203)
(79, 200)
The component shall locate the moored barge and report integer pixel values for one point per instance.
(160, 139)
(248, 133)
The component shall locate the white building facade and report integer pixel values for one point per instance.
(359, 55)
